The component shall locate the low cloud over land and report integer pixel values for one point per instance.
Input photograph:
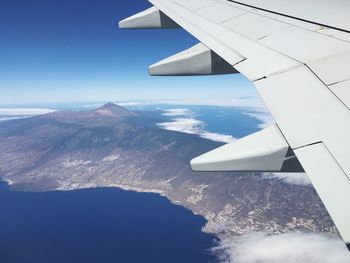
(294, 247)
(290, 178)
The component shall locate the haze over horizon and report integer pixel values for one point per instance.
(57, 51)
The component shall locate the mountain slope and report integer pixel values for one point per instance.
(111, 146)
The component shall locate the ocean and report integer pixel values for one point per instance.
(99, 225)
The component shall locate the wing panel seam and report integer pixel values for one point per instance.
(289, 16)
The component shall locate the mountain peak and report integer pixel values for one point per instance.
(113, 110)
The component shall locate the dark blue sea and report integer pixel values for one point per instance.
(99, 225)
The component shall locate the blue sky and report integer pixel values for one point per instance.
(67, 51)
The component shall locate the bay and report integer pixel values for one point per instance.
(99, 225)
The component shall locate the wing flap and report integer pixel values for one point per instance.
(308, 112)
(330, 182)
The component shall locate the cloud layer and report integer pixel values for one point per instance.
(24, 111)
(251, 103)
(290, 178)
(178, 112)
(184, 121)
(293, 247)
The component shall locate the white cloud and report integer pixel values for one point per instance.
(187, 124)
(293, 247)
(251, 102)
(93, 105)
(12, 118)
(245, 102)
(217, 137)
(290, 178)
(177, 112)
(264, 117)
(132, 103)
(24, 111)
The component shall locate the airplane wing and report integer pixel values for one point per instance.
(297, 53)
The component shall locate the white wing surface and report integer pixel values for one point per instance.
(297, 53)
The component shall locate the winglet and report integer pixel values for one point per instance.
(265, 150)
(150, 18)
